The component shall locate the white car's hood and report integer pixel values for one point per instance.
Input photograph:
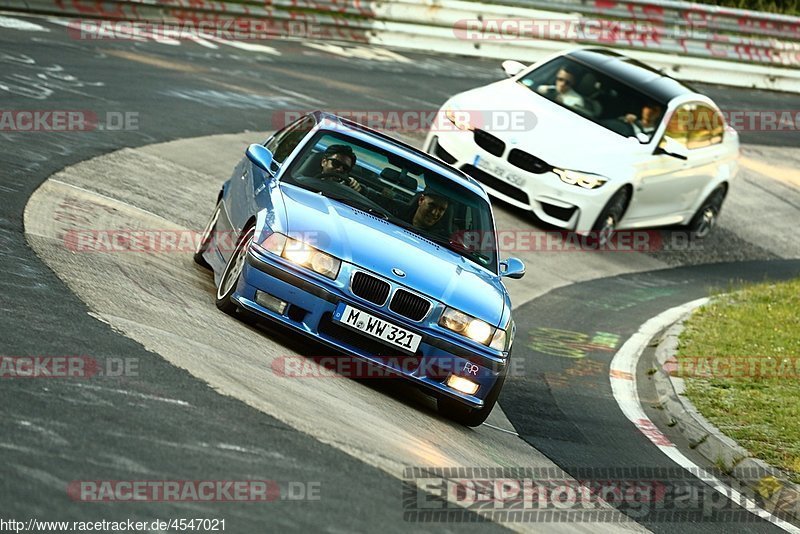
(558, 136)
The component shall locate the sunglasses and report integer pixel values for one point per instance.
(340, 165)
(566, 81)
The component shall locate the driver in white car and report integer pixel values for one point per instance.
(563, 91)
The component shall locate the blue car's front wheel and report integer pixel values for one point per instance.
(233, 270)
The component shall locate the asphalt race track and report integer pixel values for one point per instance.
(203, 401)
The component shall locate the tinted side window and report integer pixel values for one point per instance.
(706, 128)
(678, 125)
(696, 126)
(285, 141)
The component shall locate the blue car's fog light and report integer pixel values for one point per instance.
(269, 302)
(462, 384)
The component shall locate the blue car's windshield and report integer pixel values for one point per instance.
(394, 188)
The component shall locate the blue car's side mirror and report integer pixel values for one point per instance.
(260, 156)
(512, 268)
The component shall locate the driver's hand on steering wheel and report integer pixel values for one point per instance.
(352, 183)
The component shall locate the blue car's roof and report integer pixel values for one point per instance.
(395, 146)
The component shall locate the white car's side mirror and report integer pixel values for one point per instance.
(512, 68)
(673, 148)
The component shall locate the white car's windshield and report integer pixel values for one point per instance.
(597, 97)
(394, 188)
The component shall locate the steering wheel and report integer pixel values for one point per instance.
(458, 241)
(335, 183)
(337, 177)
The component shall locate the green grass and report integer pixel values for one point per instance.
(760, 410)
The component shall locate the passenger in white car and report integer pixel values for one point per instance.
(647, 122)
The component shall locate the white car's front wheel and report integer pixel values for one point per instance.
(706, 217)
(606, 224)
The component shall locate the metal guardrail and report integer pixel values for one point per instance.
(670, 12)
(648, 25)
(662, 26)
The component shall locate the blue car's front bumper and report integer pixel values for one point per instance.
(311, 305)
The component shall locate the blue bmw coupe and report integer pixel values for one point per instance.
(374, 248)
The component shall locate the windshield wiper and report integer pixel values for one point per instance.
(449, 244)
(359, 206)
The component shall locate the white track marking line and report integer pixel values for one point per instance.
(623, 384)
(422, 101)
(110, 199)
(501, 429)
(135, 394)
(19, 24)
(202, 42)
(250, 47)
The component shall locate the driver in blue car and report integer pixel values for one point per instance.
(337, 162)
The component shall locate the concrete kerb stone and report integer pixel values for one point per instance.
(780, 494)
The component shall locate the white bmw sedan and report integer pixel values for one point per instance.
(593, 141)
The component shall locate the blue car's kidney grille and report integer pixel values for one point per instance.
(370, 288)
(409, 305)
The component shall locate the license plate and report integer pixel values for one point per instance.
(377, 328)
(499, 172)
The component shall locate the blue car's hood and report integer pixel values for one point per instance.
(378, 246)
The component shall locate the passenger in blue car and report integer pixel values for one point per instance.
(427, 211)
(337, 162)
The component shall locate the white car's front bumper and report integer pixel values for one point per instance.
(566, 206)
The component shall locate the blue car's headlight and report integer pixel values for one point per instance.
(503, 338)
(302, 254)
(467, 326)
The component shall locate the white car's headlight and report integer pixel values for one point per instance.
(302, 254)
(467, 326)
(460, 119)
(581, 179)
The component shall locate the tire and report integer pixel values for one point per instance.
(606, 223)
(458, 412)
(706, 217)
(233, 270)
(207, 237)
